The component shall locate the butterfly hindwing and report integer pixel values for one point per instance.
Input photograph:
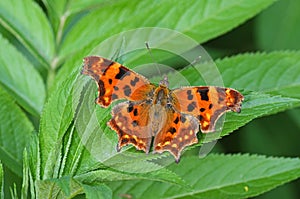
(132, 123)
(178, 132)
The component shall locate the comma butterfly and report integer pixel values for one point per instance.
(172, 117)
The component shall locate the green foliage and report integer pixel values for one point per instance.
(21, 79)
(56, 138)
(15, 132)
(1, 181)
(244, 177)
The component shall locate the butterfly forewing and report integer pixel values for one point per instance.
(115, 81)
(207, 103)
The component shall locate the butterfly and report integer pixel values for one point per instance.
(171, 117)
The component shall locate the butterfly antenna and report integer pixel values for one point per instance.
(152, 57)
(117, 56)
(197, 59)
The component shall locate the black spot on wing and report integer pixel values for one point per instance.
(133, 82)
(134, 123)
(182, 119)
(127, 90)
(130, 107)
(210, 106)
(176, 120)
(189, 95)
(135, 112)
(200, 117)
(172, 130)
(203, 93)
(202, 109)
(110, 81)
(122, 73)
(116, 88)
(114, 96)
(191, 106)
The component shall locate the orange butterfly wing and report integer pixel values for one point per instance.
(131, 122)
(207, 103)
(115, 81)
(179, 131)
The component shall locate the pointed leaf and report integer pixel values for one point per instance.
(25, 181)
(99, 176)
(202, 20)
(20, 79)
(58, 188)
(55, 121)
(28, 23)
(278, 31)
(63, 13)
(98, 191)
(1, 181)
(218, 176)
(15, 133)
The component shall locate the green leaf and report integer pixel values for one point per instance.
(218, 176)
(58, 188)
(15, 133)
(64, 14)
(202, 20)
(1, 181)
(67, 187)
(26, 176)
(57, 14)
(276, 73)
(256, 136)
(279, 31)
(97, 191)
(105, 175)
(20, 79)
(55, 121)
(27, 22)
(60, 9)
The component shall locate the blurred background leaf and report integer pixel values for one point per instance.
(278, 28)
(27, 23)
(21, 80)
(15, 133)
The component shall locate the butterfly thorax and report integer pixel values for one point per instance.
(161, 95)
(158, 109)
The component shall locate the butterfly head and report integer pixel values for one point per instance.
(164, 82)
